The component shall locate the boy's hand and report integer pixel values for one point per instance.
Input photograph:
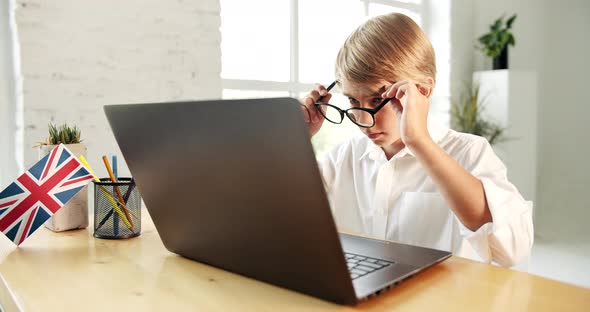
(311, 114)
(411, 107)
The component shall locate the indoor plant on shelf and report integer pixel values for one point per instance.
(495, 43)
(467, 116)
(74, 215)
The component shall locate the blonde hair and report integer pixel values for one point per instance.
(388, 47)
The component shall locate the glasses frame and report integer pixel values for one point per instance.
(372, 111)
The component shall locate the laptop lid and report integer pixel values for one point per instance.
(235, 184)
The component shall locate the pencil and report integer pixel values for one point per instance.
(110, 198)
(121, 200)
(104, 220)
(115, 217)
(115, 169)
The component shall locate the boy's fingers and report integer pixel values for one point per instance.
(401, 91)
(306, 114)
(387, 94)
(393, 89)
(321, 89)
(315, 94)
(318, 114)
(318, 94)
(315, 115)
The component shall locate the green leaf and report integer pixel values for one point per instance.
(511, 40)
(495, 52)
(497, 24)
(466, 116)
(504, 37)
(510, 21)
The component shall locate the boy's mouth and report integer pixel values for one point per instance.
(375, 135)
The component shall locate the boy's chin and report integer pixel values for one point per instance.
(381, 140)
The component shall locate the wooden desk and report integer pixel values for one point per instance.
(74, 271)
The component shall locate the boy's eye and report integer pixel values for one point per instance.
(377, 101)
(353, 102)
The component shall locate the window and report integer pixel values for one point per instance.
(11, 109)
(282, 48)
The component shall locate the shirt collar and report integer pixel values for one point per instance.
(437, 133)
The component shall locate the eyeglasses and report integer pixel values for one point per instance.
(362, 117)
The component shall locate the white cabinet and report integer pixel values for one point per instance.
(511, 100)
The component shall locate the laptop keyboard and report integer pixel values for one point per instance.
(360, 266)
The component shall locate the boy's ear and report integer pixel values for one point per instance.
(427, 90)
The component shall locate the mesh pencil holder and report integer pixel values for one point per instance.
(111, 218)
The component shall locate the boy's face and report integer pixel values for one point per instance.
(385, 132)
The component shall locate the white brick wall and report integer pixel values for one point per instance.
(78, 55)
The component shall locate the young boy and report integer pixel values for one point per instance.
(407, 179)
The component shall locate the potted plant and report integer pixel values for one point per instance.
(495, 43)
(74, 215)
(467, 116)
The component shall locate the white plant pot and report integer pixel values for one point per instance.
(74, 215)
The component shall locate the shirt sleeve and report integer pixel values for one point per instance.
(508, 239)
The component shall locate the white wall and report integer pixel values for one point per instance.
(461, 43)
(78, 55)
(564, 147)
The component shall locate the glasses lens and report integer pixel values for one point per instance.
(361, 117)
(330, 113)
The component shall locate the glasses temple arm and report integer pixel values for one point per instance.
(376, 109)
(327, 89)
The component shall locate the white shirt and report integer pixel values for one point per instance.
(396, 199)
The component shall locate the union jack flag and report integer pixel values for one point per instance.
(39, 192)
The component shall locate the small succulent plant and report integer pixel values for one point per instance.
(62, 134)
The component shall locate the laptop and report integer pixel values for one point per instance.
(235, 184)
